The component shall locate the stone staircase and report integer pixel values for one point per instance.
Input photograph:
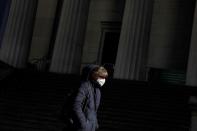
(31, 101)
(135, 106)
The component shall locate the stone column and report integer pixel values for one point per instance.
(70, 37)
(133, 44)
(191, 78)
(17, 37)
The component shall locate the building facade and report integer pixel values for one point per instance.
(139, 38)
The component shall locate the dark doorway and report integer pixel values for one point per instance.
(110, 47)
(110, 34)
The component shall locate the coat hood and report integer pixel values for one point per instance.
(86, 71)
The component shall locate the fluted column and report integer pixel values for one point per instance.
(17, 37)
(133, 44)
(70, 37)
(191, 78)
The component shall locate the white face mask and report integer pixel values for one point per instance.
(101, 81)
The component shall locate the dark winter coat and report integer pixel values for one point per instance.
(86, 103)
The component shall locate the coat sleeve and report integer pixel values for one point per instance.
(77, 106)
